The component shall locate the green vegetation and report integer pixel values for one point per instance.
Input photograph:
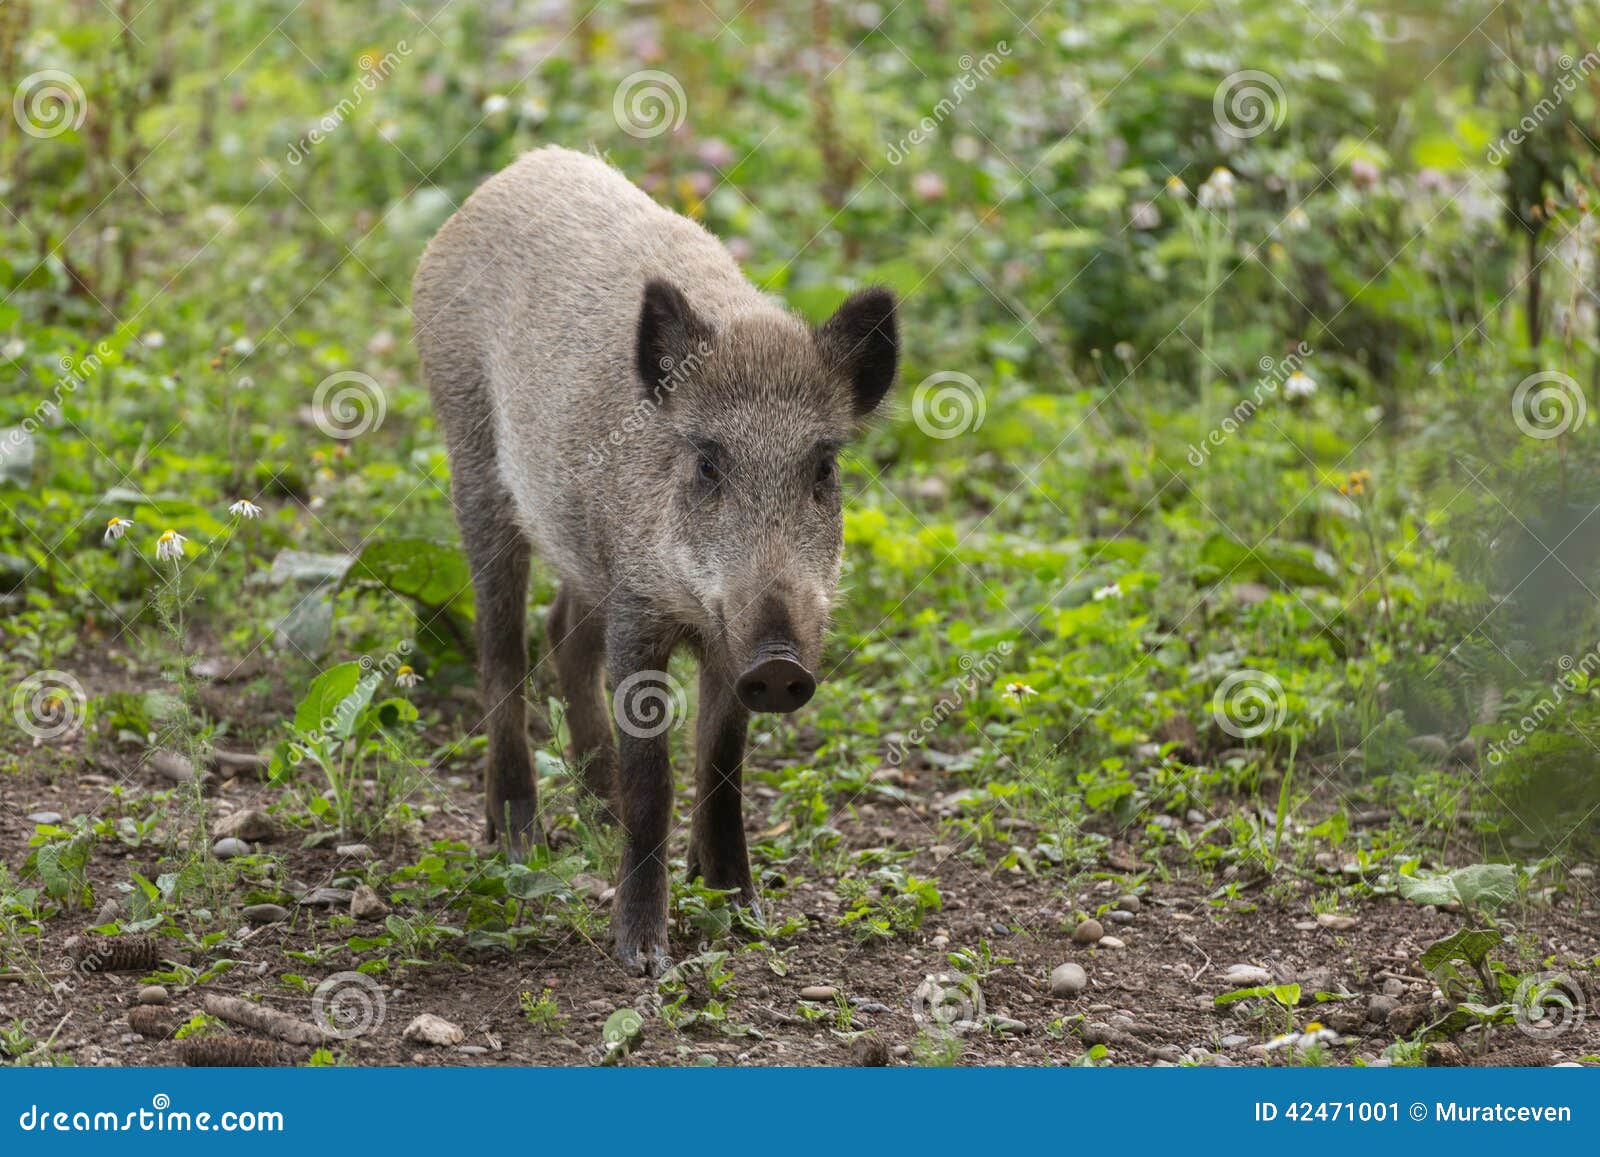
(1235, 523)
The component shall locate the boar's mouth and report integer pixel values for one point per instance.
(775, 681)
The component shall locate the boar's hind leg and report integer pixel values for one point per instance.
(717, 852)
(578, 642)
(498, 554)
(637, 663)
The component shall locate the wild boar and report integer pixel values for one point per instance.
(616, 396)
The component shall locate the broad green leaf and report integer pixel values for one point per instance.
(1470, 944)
(1284, 563)
(335, 701)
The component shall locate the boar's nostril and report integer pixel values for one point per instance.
(775, 683)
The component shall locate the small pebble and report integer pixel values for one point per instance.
(265, 914)
(1120, 916)
(1335, 921)
(1234, 1040)
(153, 994)
(44, 818)
(1112, 942)
(1246, 976)
(1129, 903)
(1088, 932)
(362, 852)
(818, 992)
(366, 904)
(1068, 979)
(227, 849)
(471, 1050)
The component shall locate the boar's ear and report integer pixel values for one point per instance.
(670, 335)
(863, 342)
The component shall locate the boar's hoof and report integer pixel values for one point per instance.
(651, 960)
(515, 825)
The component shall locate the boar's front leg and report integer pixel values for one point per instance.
(717, 852)
(578, 642)
(645, 712)
(499, 555)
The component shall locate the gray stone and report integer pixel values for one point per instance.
(818, 992)
(229, 848)
(434, 1030)
(1068, 979)
(265, 914)
(44, 818)
(153, 994)
(365, 904)
(1088, 932)
(1130, 903)
(1246, 976)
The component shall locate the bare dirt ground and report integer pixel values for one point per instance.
(1148, 1001)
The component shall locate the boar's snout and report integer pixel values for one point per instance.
(775, 681)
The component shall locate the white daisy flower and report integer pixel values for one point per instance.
(115, 529)
(1019, 691)
(406, 677)
(1109, 591)
(494, 104)
(169, 547)
(1299, 385)
(1217, 191)
(1315, 1034)
(244, 508)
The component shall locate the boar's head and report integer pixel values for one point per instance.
(752, 414)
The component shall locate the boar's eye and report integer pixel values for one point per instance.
(825, 470)
(708, 470)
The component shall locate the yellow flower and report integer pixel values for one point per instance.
(115, 529)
